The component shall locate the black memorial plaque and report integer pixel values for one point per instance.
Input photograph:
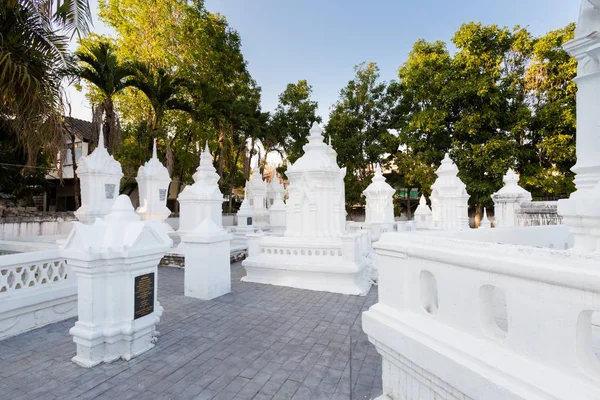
(143, 294)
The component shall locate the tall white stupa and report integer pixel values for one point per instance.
(315, 252)
(449, 198)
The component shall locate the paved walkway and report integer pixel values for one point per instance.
(259, 342)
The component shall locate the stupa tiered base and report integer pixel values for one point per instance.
(329, 265)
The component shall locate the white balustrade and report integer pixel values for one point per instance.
(482, 320)
(36, 289)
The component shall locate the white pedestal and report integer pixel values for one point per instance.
(207, 267)
(115, 261)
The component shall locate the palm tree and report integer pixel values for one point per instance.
(34, 59)
(99, 66)
(165, 93)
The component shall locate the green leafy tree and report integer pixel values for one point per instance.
(205, 52)
(292, 119)
(164, 91)
(422, 115)
(546, 167)
(34, 61)
(358, 127)
(489, 101)
(100, 66)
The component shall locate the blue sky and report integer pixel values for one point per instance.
(321, 40)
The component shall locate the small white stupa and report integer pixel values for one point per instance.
(153, 182)
(380, 205)
(202, 199)
(256, 193)
(100, 178)
(485, 222)
(449, 198)
(508, 200)
(380, 202)
(244, 226)
(423, 214)
(274, 188)
(315, 253)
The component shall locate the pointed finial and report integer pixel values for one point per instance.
(330, 141)
(101, 140)
(378, 169)
(422, 200)
(206, 147)
(154, 150)
(316, 130)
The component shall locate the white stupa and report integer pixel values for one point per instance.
(256, 193)
(315, 253)
(100, 177)
(449, 198)
(507, 201)
(423, 214)
(380, 204)
(485, 222)
(274, 188)
(153, 182)
(277, 215)
(202, 199)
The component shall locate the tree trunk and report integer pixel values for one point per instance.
(221, 152)
(108, 123)
(75, 178)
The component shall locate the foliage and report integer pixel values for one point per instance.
(358, 128)
(12, 183)
(292, 119)
(34, 60)
(504, 99)
(100, 67)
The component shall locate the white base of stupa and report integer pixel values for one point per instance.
(328, 265)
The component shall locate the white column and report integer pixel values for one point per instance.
(207, 267)
(581, 211)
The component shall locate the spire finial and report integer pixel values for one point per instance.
(101, 140)
(378, 169)
(206, 147)
(154, 150)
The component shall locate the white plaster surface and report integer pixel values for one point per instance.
(480, 320)
(106, 257)
(207, 254)
(581, 212)
(36, 288)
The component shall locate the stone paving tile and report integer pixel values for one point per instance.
(258, 342)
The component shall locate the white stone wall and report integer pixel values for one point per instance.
(10, 230)
(36, 289)
(463, 319)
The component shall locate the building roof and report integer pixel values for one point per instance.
(83, 129)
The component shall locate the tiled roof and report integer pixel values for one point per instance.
(83, 129)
